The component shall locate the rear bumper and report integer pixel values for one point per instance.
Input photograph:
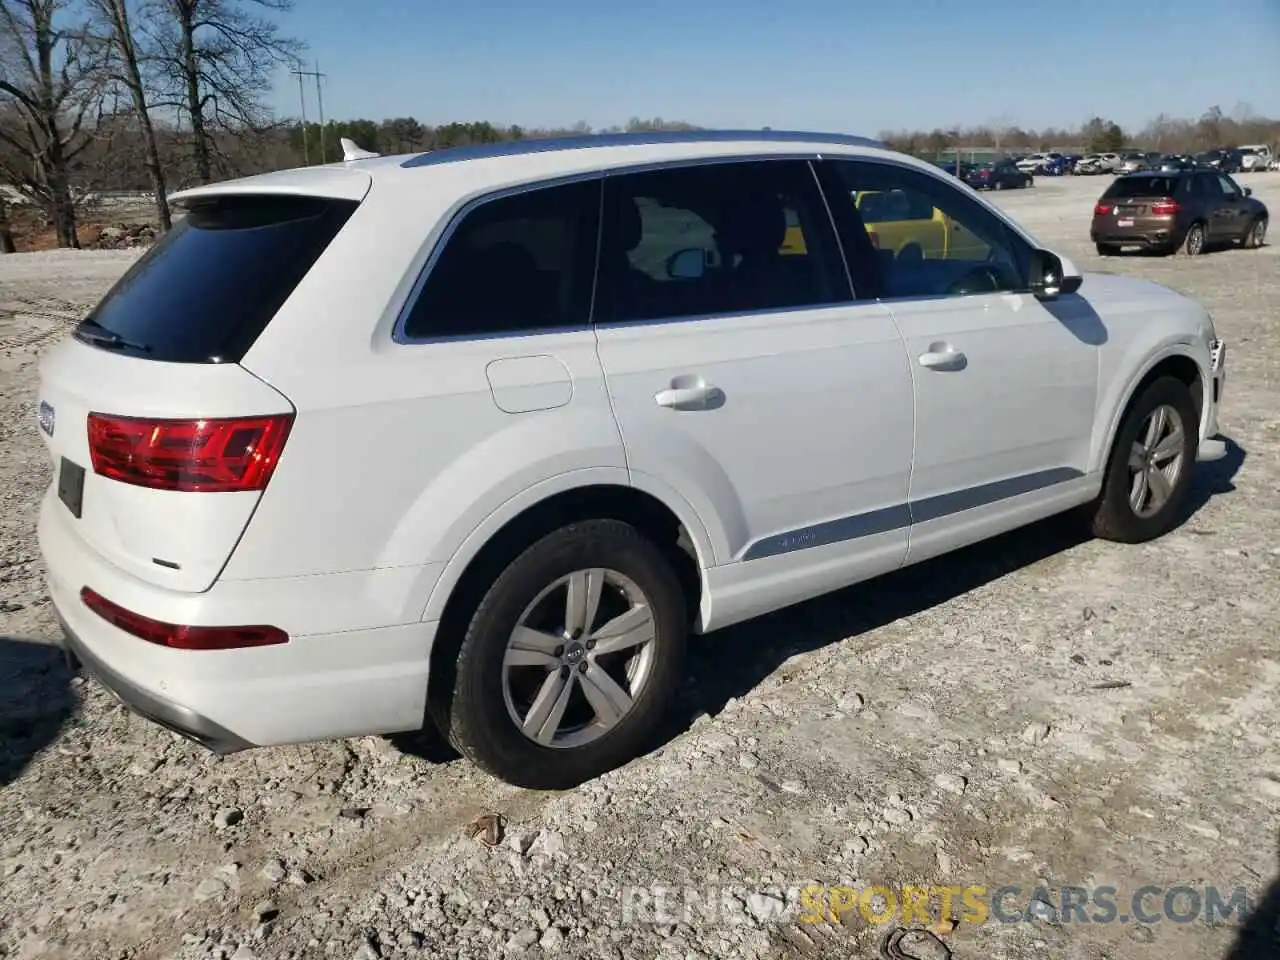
(170, 715)
(346, 671)
(1151, 239)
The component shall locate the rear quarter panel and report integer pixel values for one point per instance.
(399, 452)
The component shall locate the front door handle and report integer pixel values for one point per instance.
(690, 393)
(943, 356)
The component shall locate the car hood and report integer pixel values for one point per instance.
(1117, 290)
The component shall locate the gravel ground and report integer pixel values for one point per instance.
(1042, 711)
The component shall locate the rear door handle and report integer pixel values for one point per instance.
(688, 393)
(942, 356)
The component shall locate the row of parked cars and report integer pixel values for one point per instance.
(1251, 158)
(1014, 172)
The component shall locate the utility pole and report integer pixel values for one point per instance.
(302, 102)
(320, 107)
(319, 102)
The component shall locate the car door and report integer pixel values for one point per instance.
(749, 383)
(1216, 205)
(1005, 385)
(1235, 219)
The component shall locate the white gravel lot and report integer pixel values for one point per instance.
(1041, 711)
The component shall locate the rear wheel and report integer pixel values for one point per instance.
(1107, 249)
(1149, 470)
(1256, 235)
(1193, 243)
(571, 658)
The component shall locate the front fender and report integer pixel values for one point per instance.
(1140, 359)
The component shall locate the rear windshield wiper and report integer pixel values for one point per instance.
(95, 333)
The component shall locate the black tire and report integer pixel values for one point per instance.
(1190, 245)
(1113, 515)
(1107, 249)
(478, 722)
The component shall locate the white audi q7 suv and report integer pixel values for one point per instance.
(477, 437)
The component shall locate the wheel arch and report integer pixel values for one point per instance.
(676, 530)
(1172, 361)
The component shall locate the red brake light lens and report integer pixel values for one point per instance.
(1165, 208)
(179, 637)
(213, 456)
(1102, 209)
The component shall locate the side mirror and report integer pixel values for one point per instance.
(688, 264)
(1248, 191)
(1051, 277)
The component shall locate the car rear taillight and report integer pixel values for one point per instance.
(1102, 209)
(215, 456)
(180, 637)
(1165, 208)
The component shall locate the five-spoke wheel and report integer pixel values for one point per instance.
(570, 659)
(1149, 472)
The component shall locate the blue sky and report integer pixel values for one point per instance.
(837, 65)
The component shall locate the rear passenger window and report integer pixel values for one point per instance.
(520, 263)
(717, 238)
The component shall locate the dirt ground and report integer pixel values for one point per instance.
(1041, 711)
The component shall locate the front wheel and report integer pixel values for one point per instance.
(1149, 470)
(571, 658)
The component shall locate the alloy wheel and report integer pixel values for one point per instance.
(578, 659)
(1195, 241)
(1156, 461)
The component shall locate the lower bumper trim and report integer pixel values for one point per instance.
(1211, 450)
(182, 721)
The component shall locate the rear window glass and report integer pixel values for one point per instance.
(1143, 187)
(211, 285)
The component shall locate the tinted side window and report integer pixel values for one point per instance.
(716, 238)
(211, 285)
(524, 262)
(960, 248)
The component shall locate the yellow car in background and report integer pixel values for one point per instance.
(906, 224)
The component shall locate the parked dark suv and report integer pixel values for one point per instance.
(1165, 211)
(998, 175)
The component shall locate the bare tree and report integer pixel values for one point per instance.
(126, 59)
(50, 82)
(217, 59)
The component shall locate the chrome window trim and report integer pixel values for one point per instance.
(459, 212)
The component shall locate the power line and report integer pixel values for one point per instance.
(302, 103)
(319, 104)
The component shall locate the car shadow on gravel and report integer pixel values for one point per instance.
(728, 663)
(1259, 935)
(35, 701)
